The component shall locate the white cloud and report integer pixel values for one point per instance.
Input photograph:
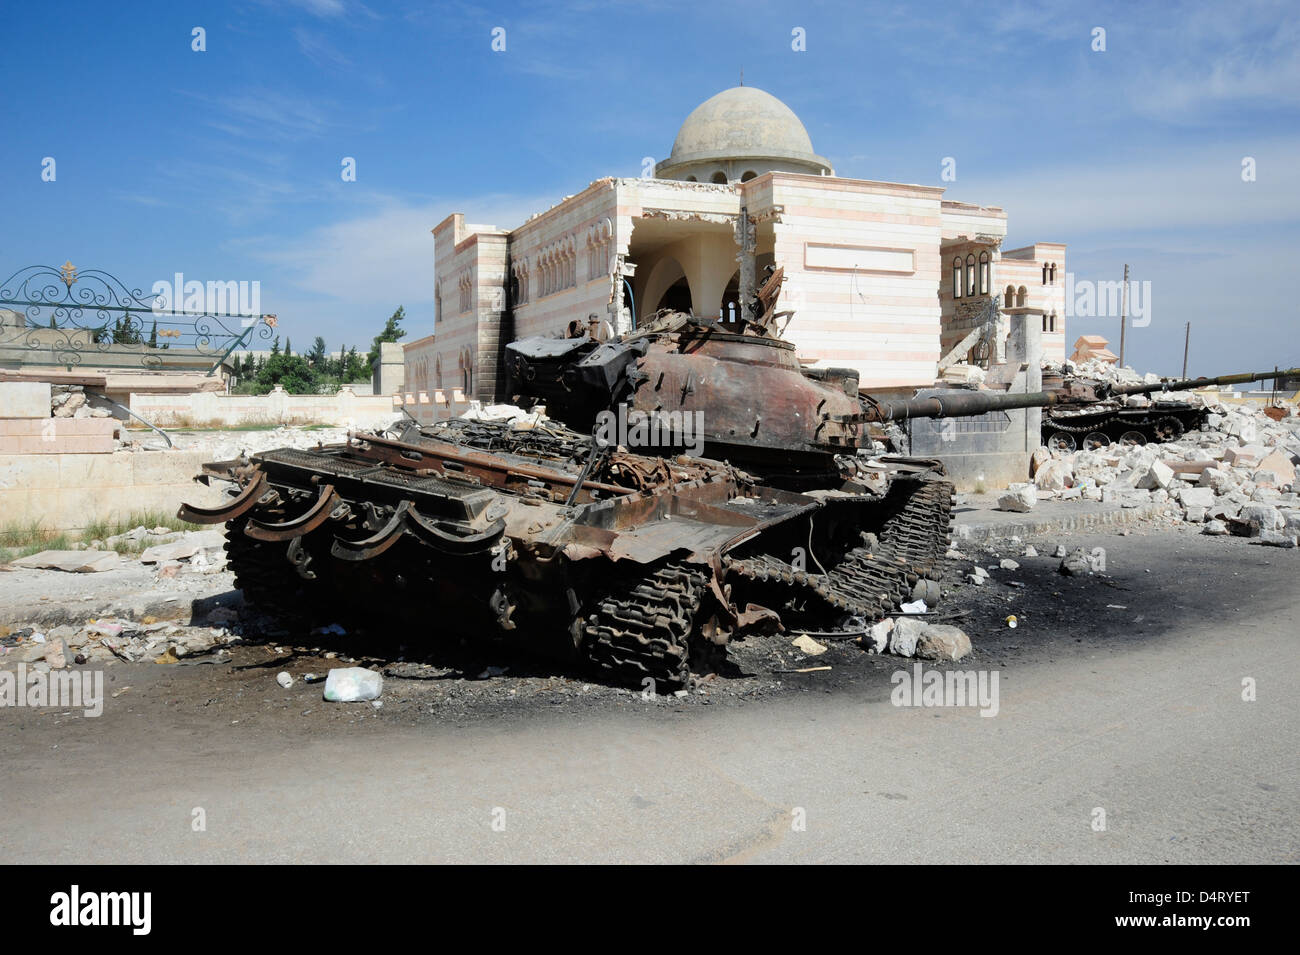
(385, 255)
(1181, 188)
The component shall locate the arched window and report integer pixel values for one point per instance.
(720, 177)
(984, 273)
(970, 274)
(1009, 299)
(1021, 296)
(1051, 326)
(749, 174)
(1044, 274)
(1052, 273)
(691, 179)
(956, 277)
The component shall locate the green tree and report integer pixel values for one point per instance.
(355, 368)
(318, 357)
(290, 372)
(391, 333)
(288, 346)
(124, 332)
(153, 335)
(275, 346)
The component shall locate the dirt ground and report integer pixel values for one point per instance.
(1150, 584)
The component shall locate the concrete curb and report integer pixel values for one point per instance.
(1060, 524)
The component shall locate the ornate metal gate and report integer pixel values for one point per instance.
(67, 316)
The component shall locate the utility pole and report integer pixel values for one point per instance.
(1123, 316)
(1186, 341)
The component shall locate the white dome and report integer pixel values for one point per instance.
(740, 124)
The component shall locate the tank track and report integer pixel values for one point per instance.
(270, 579)
(871, 582)
(646, 633)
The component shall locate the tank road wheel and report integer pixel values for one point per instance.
(1132, 439)
(644, 631)
(1061, 441)
(1168, 428)
(1095, 441)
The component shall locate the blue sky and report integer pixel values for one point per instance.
(225, 164)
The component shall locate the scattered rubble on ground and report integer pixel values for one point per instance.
(104, 642)
(1235, 475)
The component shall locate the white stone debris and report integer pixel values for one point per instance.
(1236, 472)
(808, 646)
(1019, 498)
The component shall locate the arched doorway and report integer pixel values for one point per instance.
(676, 297)
(666, 286)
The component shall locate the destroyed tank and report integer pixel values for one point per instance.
(1094, 414)
(691, 483)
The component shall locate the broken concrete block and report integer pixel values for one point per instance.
(1009, 564)
(1196, 496)
(1054, 475)
(56, 653)
(877, 638)
(1158, 475)
(808, 646)
(1276, 539)
(1279, 463)
(1038, 459)
(903, 638)
(1019, 498)
(1196, 515)
(1244, 456)
(71, 561)
(1215, 527)
(942, 642)
(1076, 564)
(1266, 516)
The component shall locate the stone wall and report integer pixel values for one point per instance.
(991, 450)
(344, 410)
(66, 492)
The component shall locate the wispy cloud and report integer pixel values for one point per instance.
(319, 50)
(383, 255)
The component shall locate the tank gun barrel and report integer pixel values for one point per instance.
(1187, 384)
(953, 404)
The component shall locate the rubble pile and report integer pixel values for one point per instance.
(228, 445)
(1096, 369)
(1237, 474)
(69, 401)
(169, 552)
(107, 641)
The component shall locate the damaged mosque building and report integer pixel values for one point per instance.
(884, 278)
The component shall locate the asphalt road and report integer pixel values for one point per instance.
(1153, 730)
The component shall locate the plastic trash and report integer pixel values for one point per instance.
(352, 685)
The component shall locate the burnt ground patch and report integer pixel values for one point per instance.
(1157, 582)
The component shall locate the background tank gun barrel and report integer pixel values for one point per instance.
(1188, 384)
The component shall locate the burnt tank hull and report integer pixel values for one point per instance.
(638, 566)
